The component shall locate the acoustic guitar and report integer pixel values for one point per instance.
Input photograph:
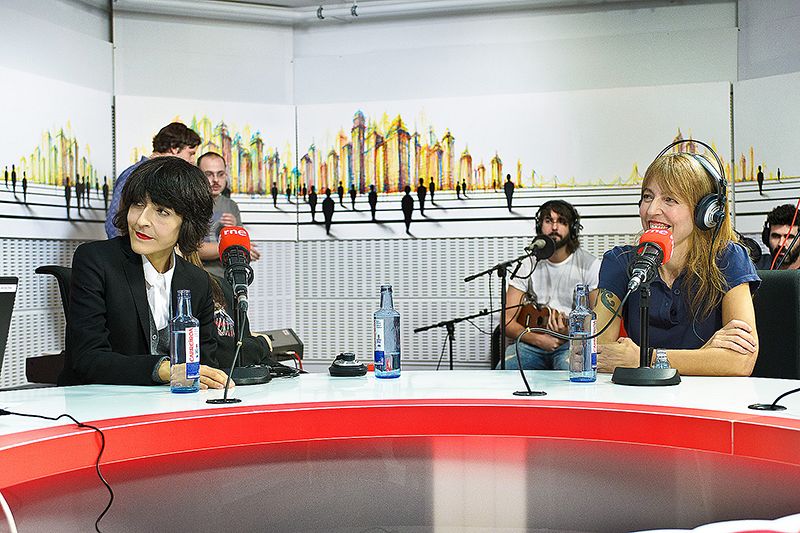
(534, 316)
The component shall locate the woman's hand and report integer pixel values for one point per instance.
(213, 378)
(623, 353)
(736, 335)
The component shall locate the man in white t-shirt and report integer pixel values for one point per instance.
(551, 283)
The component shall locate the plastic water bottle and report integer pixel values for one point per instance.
(582, 350)
(184, 347)
(387, 337)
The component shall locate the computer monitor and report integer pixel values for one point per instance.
(8, 292)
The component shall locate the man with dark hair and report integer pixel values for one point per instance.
(173, 139)
(550, 285)
(781, 226)
(226, 212)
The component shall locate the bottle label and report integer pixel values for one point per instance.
(592, 330)
(379, 342)
(193, 352)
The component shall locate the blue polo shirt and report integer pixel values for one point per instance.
(671, 322)
(116, 196)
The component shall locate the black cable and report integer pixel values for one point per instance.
(491, 306)
(444, 344)
(476, 326)
(567, 337)
(519, 307)
(97, 461)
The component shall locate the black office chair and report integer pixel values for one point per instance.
(46, 368)
(498, 347)
(777, 306)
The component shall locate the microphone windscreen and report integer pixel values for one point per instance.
(233, 236)
(547, 250)
(662, 238)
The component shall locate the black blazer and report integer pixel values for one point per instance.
(108, 326)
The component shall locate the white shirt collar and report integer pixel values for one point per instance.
(158, 288)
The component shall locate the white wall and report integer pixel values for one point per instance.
(57, 39)
(203, 60)
(520, 52)
(768, 38)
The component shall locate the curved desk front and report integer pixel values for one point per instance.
(430, 451)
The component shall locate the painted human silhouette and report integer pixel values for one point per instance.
(508, 188)
(105, 193)
(340, 193)
(24, 187)
(432, 189)
(305, 193)
(78, 192)
(67, 193)
(458, 190)
(6, 175)
(328, 205)
(422, 192)
(87, 191)
(274, 192)
(312, 201)
(14, 180)
(353, 195)
(372, 198)
(464, 188)
(760, 179)
(779, 174)
(407, 204)
(289, 193)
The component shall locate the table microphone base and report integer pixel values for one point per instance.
(646, 376)
(251, 375)
(766, 407)
(530, 393)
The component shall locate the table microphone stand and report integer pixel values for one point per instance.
(645, 375)
(449, 325)
(502, 271)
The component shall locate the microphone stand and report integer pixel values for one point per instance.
(449, 325)
(502, 271)
(645, 375)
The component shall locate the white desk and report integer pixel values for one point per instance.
(462, 450)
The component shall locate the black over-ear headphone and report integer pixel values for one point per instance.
(710, 210)
(765, 233)
(575, 226)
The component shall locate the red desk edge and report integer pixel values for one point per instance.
(42, 453)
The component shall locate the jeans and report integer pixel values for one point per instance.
(535, 358)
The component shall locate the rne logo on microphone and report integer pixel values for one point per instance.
(664, 232)
(235, 231)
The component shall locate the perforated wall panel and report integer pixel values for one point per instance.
(338, 288)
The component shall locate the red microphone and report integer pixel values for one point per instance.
(655, 249)
(234, 252)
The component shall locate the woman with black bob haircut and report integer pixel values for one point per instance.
(124, 290)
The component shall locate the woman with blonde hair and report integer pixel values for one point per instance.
(701, 310)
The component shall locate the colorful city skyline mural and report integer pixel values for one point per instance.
(58, 159)
(252, 166)
(388, 155)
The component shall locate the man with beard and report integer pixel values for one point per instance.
(550, 284)
(777, 228)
